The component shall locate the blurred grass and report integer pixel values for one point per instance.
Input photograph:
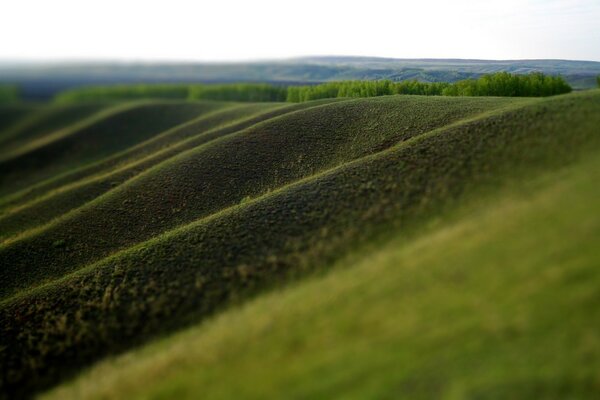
(498, 301)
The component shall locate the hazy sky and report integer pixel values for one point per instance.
(241, 30)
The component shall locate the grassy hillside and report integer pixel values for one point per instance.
(232, 209)
(70, 145)
(490, 303)
(164, 141)
(191, 185)
(86, 183)
(19, 137)
(10, 115)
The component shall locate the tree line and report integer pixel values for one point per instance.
(251, 92)
(497, 84)
(512, 85)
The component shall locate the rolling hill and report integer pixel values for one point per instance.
(415, 219)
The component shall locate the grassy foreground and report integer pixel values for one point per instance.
(202, 205)
(491, 303)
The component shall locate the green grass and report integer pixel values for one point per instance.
(92, 139)
(91, 181)
(238, 208)
(166, 143)
(492, 303)
(33, 128)
(190, 185)
(247, 92)
(12, 115)
(9, 94)
(109, 173)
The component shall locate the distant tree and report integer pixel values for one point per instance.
(598, 80)
(512, 85)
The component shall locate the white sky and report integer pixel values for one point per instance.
(266, 29)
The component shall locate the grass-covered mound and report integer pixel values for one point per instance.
(28, 130)
(223, 119)
(491, 303)
(93, 138)
(223, 173)
(251, 215)
(91, 181)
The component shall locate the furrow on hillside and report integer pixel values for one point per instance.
(13, 116)
(124, 166)
(222, 173)
(224, 122)
(458, 305)
(93, 139)
(185, 274)
(36, 127)
(147, 148)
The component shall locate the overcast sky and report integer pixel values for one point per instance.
(269, 29)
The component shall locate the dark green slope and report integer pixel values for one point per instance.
(493, 301)
(226, 113)
(131, 162)
(25, 134)
(94, 139)
(181, 276)
(12, 115)
(116, 169)
(223, 173)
